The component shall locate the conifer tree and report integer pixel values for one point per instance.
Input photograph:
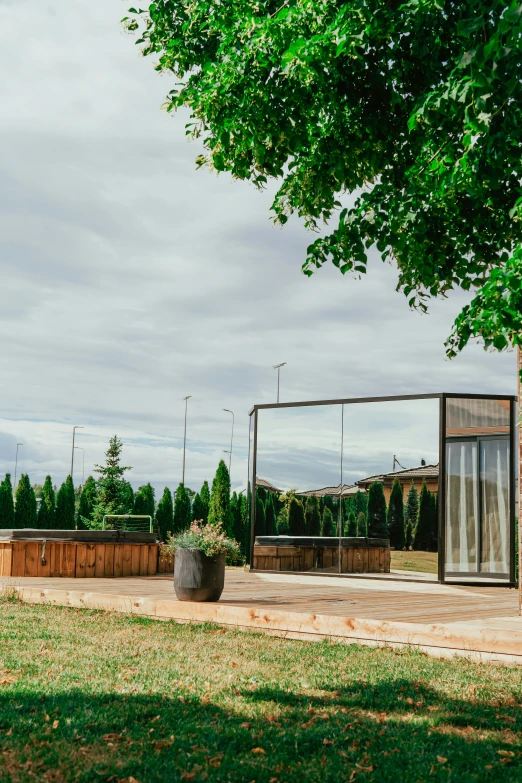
(244, 509)
(65, 506)
(377, 524)
(205, 499)
(422, 528)
(362, 525)
(237, 522)
(327, 528)
(7, 512)
(411, 515)
(25, 507)
(296, 517)
(144, 502)
(260, 521)
(182, 511)
(312, 516)
(270, 517)
(127, 498)
(351, 524)
(219, 509)
(396, 516)
(87, 503)
(113, 492)
(198, 509)
(165, 515)
(361, 502)
(47, 510)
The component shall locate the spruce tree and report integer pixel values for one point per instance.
(327, 528)
(87, 504)
(182, 512)
(396, 516)
(270, 517)
(422, 529)
(411, 515)
(25, 507)
(377, 524)
(205, 499)
(351, 524)
(362, 525)
(165, 515)
(237, 521)
(219, 509)
(127, 498)
(7, 512)
(65, 506)
(312, 516)
(296, 517)
(361, 502)
(144, 503)
(244, 509)
(198, 509)
(260, 521)
(47, 510)
(113, 493)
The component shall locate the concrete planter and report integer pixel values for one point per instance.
(198, 577)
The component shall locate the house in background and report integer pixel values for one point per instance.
(427, 473)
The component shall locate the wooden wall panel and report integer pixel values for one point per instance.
(126, 561)
(135, 560)
(109, 560)
(118, 560)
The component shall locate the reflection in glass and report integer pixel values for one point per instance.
(461, 506)
(494, 476)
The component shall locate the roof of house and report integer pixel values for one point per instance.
(409, 474)
(348, 489)
(266, 485)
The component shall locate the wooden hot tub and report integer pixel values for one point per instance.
(78, 553)
(321, 554)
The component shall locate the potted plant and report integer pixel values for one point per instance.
(199, 565)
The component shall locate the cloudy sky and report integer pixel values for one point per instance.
(130, 280)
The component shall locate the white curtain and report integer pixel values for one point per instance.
(461, 506)
(494, 476)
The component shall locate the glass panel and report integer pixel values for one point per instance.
(494, 476)
(476, 417)
(461, 506)
(395, 445)
(248, 543)
(297, 488)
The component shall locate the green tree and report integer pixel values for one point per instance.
(25, 507)
(352, 524)
(113, 492)
(182, 511)
(327, 527)
(65, 506)
(411, 514)
(426, 529)
(237, 517)
(396, 516)
(47, 510)
(7, 511)
(296, 517)
(87, 503)
(270, 517)
(144, 502)
(126, 498)
(260, 521)
(377, 524)
(417, 102)
(198, 508)
(312, 516)
(165, 514)
(205, 499)
(362, 525)
(219, 509)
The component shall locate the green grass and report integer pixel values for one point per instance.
(415, 561)
(92, 696)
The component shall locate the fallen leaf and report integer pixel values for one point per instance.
(55, 723)
(160, 744)
(505, 753)
(432, 707)
(245, 725)
(365, 769)
(327, 742)
(7, 680)
(106, 737)
(234, 665)
(258, 750)
(188, 775)
(8, 733)
(441, 759)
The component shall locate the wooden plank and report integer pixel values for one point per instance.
(135, 560)
(126, 561)
(81, 559)
(349, 560)
(6, 561)
(381, 560)
(152, 566)
(31, 555)
(285, 551)
(366, 556)
(265, 550)
(118, 560)
(44, 570)
(144, 559)
(99, 562)
(90, 560)
(69, 552)
(109, 560)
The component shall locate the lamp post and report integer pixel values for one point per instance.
(278, 368)
(185, 439)
(231, 439)
(76, 427)
(16, 465)
(79, 448)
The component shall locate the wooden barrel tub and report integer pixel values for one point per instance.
(321, 554)
(78, 553)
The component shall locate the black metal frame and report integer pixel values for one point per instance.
(442, 397)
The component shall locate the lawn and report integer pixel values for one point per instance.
(92, 696)
(415, 561)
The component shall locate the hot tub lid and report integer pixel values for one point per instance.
(83, 536)
(321, 541)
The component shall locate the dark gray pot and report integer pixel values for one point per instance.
(198, 577)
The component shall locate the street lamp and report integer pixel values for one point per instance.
(76, 427)
(185, 439)
(16, 465)
(278, 368)
(79, 448)
(231, 439)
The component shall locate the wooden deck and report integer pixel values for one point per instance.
(480, 622)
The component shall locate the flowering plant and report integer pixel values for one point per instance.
(209, 538)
